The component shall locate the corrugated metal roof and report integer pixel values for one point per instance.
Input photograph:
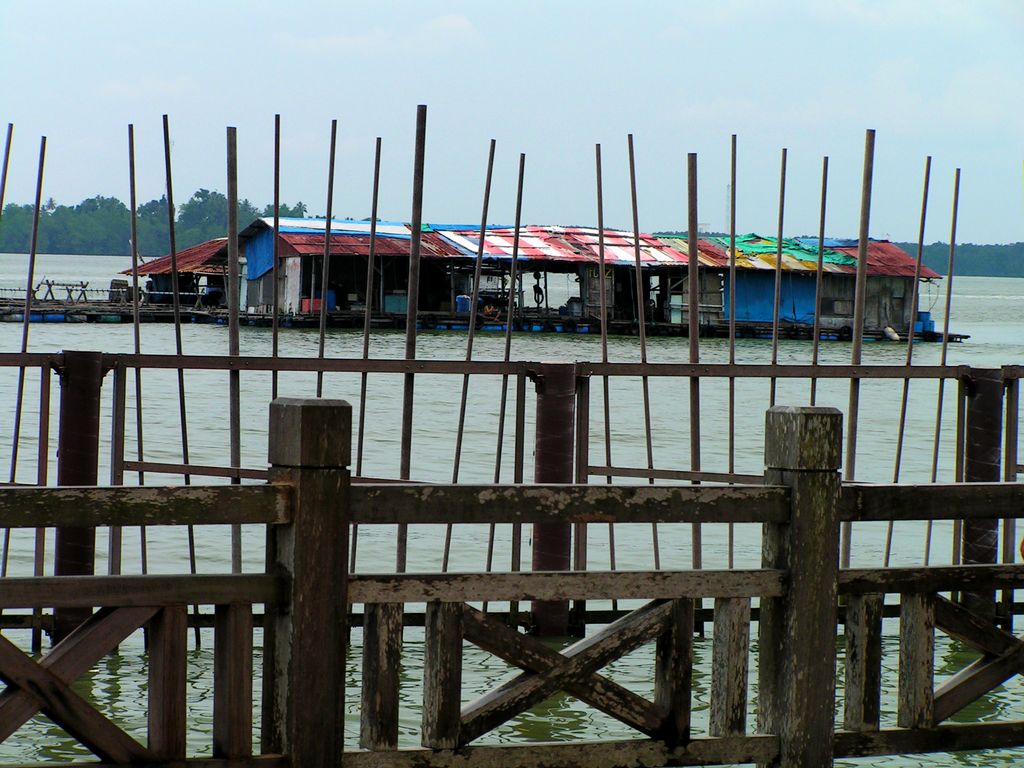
(887, 258)
(347, 245)
(209, 258)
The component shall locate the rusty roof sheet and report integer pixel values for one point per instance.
(209, 258)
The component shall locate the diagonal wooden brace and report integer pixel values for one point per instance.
(73, 657)
(46, 685)
(573, 671)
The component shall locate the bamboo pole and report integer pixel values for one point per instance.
(693, 315)
(470, 337)
(325, 266)
(777, 301)
(176, 303)
(368, 302)
(910, 349)
(33, 247)
(858, 331)
(234, 379)
(412, 295)
(942, 361)
(136, 331)
(276, 291)
(510, 320)
(641, 316)
(819, 279)
(732, 330)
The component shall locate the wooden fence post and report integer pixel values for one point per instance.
(803, 448)
(304, 653)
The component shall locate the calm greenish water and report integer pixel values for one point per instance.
(986, 308)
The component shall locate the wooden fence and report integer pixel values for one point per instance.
(308, 508)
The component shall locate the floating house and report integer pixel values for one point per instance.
(572, 255)
(202, 275)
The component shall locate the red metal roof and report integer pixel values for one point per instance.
(346, 245)
(209, 258)
(888, 259)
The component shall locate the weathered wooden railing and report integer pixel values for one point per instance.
(309, 507)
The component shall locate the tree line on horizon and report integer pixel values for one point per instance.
(102, 225)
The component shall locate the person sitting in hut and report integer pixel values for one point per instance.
(491, 312)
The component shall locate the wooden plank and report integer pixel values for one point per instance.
(606, 754)
(381, 676)
(71, 658)
(232, 681)
(929, 579)
(729, 665)
(168, 645)
(25, 507)
(965, 626)
(942, 501)
(581, 660)
(575, 585)
(67, 709)
(607, 470)
(200, 470)
(533, 655)
(442, 676)
(766, 371)
(255, 761)
(943, 738)
(917, 661)
(417, 503)
(976, 680)
(673, 673)
(863, 689)
(77, 591)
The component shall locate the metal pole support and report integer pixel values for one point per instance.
(78, 450)
(983, 464)
(553, 463)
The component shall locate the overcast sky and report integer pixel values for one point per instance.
(548, 79)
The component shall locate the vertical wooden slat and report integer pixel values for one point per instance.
(729, 663)
(917, 661)
(673, 672)
(117, 462)
(42, 477)
(863, 689)
(578, 617)
(168, 644)
(382, 655)
(1010, 476)
(232, 681)
(442, 675)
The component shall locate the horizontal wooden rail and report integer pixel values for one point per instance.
(567, 503)
(604, 754)
(673, 474)
(118, 591)
(943, 738)
(253, 761)
(948, 501)
(929, 579)
(572, 585)
(150, 505)
(762, 371)
(200, 470)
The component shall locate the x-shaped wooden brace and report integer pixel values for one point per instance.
(575, 670)
(46, 686)
(1003, 657)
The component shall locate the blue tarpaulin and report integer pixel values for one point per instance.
(755, 297)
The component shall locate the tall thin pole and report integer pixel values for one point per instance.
(33, 247)
(276, 303)
(641, 314)
(693, 300)
(942, 357)
(777, 302)
(413, 293)
(326, 265)
(910, 351)
(471, 330)
(819, 278)
(234, 382)
(603, 293)
(136, 331)
(510, 306)
(368, 302)
(858, 331)
(176, 303)
(732, 330)
(367, 316)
